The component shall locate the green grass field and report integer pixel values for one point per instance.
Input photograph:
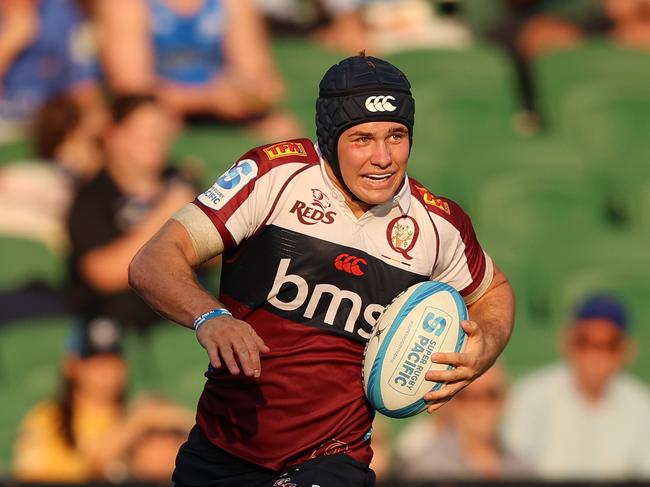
(562, 213)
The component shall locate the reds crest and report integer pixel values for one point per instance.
(316, 212)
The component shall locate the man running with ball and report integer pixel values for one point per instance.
(316, 240)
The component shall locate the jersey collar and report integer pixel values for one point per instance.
(402, 198)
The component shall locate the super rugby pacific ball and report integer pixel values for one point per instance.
(422, 320)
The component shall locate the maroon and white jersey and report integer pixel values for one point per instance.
(312, 279)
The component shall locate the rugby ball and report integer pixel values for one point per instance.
(420, 321)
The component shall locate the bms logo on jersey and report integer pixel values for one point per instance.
(229, 184)
(290, 292)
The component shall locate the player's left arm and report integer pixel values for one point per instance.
(488, 331)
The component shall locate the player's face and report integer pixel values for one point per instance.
(373, 158)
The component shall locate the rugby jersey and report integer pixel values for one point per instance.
(312, 279)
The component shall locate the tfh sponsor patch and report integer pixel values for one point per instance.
(285, 149)
(432, 200)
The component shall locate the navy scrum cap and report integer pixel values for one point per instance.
(360, 89)
(598, 306)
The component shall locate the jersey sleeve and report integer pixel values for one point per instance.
(240, 200)
(462, 262)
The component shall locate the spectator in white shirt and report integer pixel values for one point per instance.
(585, 418)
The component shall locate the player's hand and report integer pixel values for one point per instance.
(231, 340)
(468, 365)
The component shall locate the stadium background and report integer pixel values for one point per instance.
(563, 212)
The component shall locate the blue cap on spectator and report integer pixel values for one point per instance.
(98, 336)
(603, 306)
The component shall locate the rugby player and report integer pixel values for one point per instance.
(316, 240)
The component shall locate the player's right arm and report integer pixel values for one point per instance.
(162, 272)
(218, 220)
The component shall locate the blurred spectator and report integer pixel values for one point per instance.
(144, 446)
(585, 418)
(202, 57)
(626, 23)
(61, 440)
(510, 34)
(631, 22)
(531, 28)
(413, 24)
(35, 195)
(45, 50)
(383, 26)
(463, 444)
(152, 456)
(117, 212)
(89, 433)
(292, 17)
(346, 30)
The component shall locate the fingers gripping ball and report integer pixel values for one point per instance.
(423, 320)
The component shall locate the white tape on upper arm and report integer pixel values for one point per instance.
(205, 238)
(485, 283)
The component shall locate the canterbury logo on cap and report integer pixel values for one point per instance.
(380, 104)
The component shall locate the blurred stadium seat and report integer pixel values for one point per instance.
(29, 365)
(598, 100)
(539, 212)
(26, 260)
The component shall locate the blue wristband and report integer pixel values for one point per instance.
(209, 315)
